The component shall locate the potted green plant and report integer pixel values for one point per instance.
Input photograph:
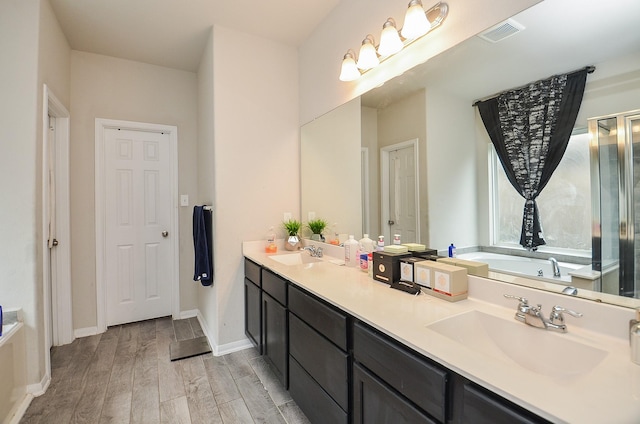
(317, 226)
(292, 227)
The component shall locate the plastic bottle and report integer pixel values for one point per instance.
(452, 251)
(270, 246)
(380, 243)
(366, 244)
(396, 239)
(351, 252)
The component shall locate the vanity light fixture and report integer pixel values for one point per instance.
(368, 57)
(349, 70)
(390, 42)
(417, 23)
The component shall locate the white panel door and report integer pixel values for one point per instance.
(402, 195)
(137, 223)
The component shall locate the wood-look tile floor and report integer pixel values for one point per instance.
(125, 376)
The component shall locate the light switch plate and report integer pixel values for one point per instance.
(184, 200)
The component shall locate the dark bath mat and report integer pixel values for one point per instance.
(188, 348)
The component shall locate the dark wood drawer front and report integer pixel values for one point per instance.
(327, 364)
(423, 383)
(324, 318)
(481, 407)
(316, 404)
(252, 271)
(275, 286)
(374, 402)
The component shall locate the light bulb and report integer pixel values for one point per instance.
(349, 71)
(368, 57)
(390, 42)
(416, 23)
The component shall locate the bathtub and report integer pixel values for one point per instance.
(13, 371)
(521, 266)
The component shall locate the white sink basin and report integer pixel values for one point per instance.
(299, 258)
(538, 350)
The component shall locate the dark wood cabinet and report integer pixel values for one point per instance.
(253, 303)
(417, 379)
(275, 341)
(341, 370)
(318, 357)
(374, 402)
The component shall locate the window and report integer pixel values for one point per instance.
(564, 204)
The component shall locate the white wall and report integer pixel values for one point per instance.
(19, 21)
(106, 87)
(330, 174)
(452, 172)
(255, 161)
(350, 21)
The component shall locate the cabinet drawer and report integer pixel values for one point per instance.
(374, 402)
(482, 407)
(414, 377)
(252, 271)
(322, 317)
(324, 362)
(274, 285)
(316, 404)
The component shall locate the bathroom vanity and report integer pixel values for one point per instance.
(352, 350)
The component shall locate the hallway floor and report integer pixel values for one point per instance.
(125, 376)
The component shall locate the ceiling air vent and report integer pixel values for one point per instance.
(501, 31)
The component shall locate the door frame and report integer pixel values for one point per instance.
(384, 185)
(100, 194)
(58, 311)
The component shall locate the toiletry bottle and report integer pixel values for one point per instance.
(452, 251)
(370, 265)
(396, 239)
(366, 244)
(350, 252)
(380, 247)
(1, 321)
(634, 338)
(270, 246)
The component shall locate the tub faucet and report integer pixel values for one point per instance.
(556, 268)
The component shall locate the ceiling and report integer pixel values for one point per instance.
(559, 36)
(173, 33)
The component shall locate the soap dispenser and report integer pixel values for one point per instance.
(270, 246)
(634, 338)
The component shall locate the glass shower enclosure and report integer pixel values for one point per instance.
(615, 182)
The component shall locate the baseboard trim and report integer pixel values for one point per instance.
(219, 350)
(20, 408)
(39, 388)
(189, 314)
(85, 332)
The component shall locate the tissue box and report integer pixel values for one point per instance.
(386, 266)
(448, 282)
(407, 268)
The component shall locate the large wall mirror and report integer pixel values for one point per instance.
(413, 157)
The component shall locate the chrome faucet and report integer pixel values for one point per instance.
(556, 268)
(314, 251)
(532, 315)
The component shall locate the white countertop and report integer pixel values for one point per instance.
(609, 393)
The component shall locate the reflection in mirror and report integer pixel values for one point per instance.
(456, 178)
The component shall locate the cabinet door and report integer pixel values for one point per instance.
(483, 407)
(274, 334)
(376, 403)
(252, 313)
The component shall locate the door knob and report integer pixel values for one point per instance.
(165, 233)
(54, 242)
(390, 222)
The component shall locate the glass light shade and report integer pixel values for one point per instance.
(390, 42)
(368, 57)
(416, 23)
(349, 71)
